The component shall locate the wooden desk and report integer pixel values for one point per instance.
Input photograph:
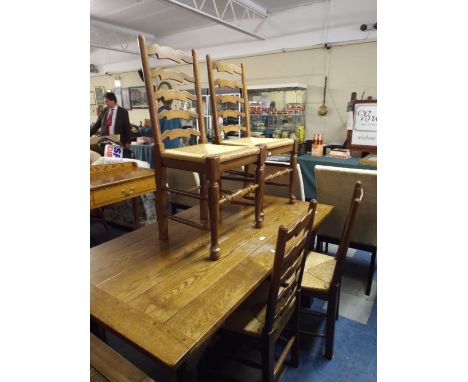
(117, 182)
(168, 298)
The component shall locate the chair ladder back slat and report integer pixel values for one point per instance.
(229, 128)
(229, 98)
(223, 83)
(294, 261)
(168, 95)
(165, 74)
(172, 114)
(166, 52)
(347, 231)
(221, 66)
(284, 301)
(305, 224)
(231, 113)
(179, 133)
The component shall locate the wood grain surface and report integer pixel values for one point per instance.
(166, 297)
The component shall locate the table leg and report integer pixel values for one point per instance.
(136, 212)
(188, 371)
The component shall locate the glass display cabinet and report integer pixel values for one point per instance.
(278, 111)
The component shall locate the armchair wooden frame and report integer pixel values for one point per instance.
(208, 160)
(274, 146)
(331, 294)
(281, 318)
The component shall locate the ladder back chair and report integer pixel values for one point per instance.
(322, 274)
(207, 159)
(272, 311)
(333, 183)
(274, 146)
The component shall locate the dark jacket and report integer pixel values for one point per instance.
(122, 124)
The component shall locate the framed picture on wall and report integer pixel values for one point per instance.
(92, 99)
(126, 99)
(99, 91)
(138, 98)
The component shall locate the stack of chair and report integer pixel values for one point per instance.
(274, 146)
(208, 160)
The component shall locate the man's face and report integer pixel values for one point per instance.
(109, 103)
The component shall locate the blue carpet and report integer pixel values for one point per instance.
(355, 356)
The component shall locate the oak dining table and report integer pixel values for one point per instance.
(167, 298)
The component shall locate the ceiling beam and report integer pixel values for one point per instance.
(248, 13)
(97, 46)
(117, 28)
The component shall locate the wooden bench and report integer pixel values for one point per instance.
(109, 366)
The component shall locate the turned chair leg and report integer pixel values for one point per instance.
(293, 173)
(259, 191)
(213, 167)
(331, 318)
(370, 276)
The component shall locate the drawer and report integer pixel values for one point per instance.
(121, 192)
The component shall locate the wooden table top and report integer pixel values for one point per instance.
(168, 297)
(102, 176)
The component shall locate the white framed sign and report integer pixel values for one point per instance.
(364, 131)
(365, 124)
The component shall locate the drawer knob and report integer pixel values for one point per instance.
(127, 193)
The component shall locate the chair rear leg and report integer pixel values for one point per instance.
(213, 170)
(331, 318)
(370, 275)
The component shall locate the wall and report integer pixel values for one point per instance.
(351, 67)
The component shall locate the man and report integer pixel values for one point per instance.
(165, 124)
(113, 120)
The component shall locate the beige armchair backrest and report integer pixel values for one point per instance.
(335, 186)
